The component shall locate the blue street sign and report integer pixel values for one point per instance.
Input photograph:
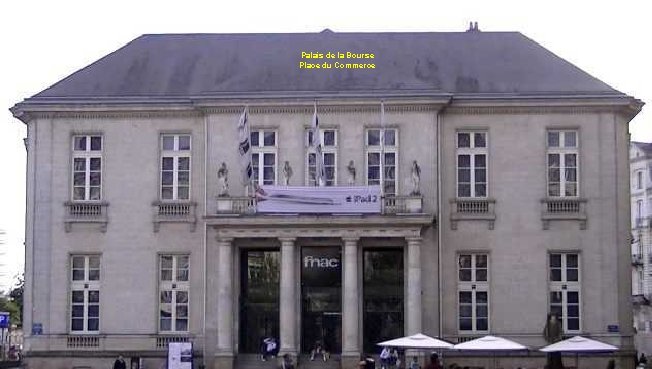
(613, 328)
(37, 329)
(4, 319)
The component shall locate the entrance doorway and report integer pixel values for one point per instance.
(259, 302)
(321, 301)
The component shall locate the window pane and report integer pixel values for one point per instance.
(572, 260)
(553, 160)
(183, 178)
(182, 311)
(465, 261)
(465, 275)
(329, 138)
(553, 175)
(78, 262)
(77, 325)
(553, 189)
(481, 311)
(481, 175)
(479, 140)
(481, 297)
(182, 297)
(79, 179)
(570, 139)
(184, 163)
(93, 296)
(269, 159)
(167, 178)
(95, 193)
(570, 160)
(481, 161)
(165, 324)
(553, 139)
(182, 325)
(254, 138)
(373, 158)
(166, 275)
(93, 324)
(573, 310)
(167, 163)
(183, 193)
(555, 297)
(464, 161)
(168, 142)
(573, 297)
(166, 193)
(166, 297)
(480, 190)
(269, 138)
(96, 178)
(77, 311)
(556, 310)
(79, 193)
(182, 275)
(166, 262)
(184, 143)
(79, 164)
(93, 311)
(94, 262)
(96, 143)
(79, 143)
(573, 324)
(94, 275)
(390, 158)
(77, 296)
(555, 275)
(482, 324)
(390, 137)
(481, 275)
(464, 190)
(329, 159)
(96, 164)
(373, 137)
(463, 140)
(481, 261)
(465, 324)
(571, 189)
(466, 310)
(464, 175)
(78, 274)
(466, 297)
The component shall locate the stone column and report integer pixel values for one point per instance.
(225, 304)
(350, 308)
(414, 285)
(288, 315)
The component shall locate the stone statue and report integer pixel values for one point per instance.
(416, 179)
(351, 171)
(223, 180)
(287, 173)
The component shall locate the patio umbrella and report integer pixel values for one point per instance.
(417, 341)
(579, 344)
(490, 343)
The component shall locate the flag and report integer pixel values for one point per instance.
(244, 148)
(316, 144)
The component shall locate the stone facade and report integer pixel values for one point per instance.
(515, 224)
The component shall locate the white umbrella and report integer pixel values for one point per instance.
(579, 344)
(490, 343)
(417, 341)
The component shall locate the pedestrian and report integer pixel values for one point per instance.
(643, 359)
(415, 363)
(369, 362)
(434, 362)
(287, 362)
(393, 359)
(384, 358)
(119, 363)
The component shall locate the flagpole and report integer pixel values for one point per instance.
(382, 148)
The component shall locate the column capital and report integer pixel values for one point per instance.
(224, 240)
(413, 240)
(350, 240)
(287, 239)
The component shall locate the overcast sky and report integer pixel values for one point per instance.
(44, 41)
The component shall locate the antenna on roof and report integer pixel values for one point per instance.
(473, 27)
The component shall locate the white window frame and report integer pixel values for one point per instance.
(259, 151)
(87, 284)
(386, 149)
(174, 286)
(87, 155)
(473, 151)
(564, 287)
(561, 151)
(326, 150)
(473, 286)
(176, 153)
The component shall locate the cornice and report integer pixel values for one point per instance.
(530, 110)
(344, 233)
(325, 109)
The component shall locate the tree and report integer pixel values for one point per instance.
(16, 296)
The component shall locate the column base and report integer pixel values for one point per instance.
(223, 361)
(351, 360)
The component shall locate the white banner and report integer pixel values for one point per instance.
(353, 200)
(179, 355)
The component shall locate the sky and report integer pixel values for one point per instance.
(44, 41)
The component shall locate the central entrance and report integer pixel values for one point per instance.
(321, 298)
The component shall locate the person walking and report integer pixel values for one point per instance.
(384, 358)
(120, 363)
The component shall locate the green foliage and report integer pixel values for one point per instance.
(13, 303)
(12, 308)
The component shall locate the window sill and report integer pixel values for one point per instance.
(86, 212)
(473, 209)
(175, 212)
(562, 208)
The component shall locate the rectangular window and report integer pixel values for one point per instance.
(264, 150)
(639, 180)
(473, 293)
(565, 289)
(563, 164)
(173, 293)
(87, 168)
(85, 294)
(472, 156)
(329, 154)
(175, 167)
(382, 158)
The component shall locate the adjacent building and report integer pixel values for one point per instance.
(501, 186)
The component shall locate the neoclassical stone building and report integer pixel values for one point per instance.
(521, 207)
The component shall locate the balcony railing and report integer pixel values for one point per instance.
(175, 212)
(553, 209)
(391, 205)
(483, 209)
(86, 212)
(82, 342)
(163, 341)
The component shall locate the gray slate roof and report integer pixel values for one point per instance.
(189, 65)
(645, 146)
